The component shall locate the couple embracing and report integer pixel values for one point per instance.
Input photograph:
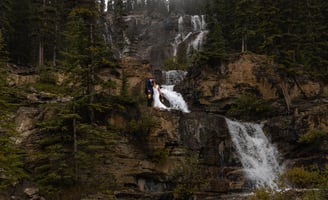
(154, 94)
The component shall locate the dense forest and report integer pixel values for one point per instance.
(37, 33)
(46, 36)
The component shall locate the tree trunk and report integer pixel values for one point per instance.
(74, 132)
(75, 145)
(41, 42)
(284, 88)
(41, 51)
(92, 79)
(54, 56)
(242, 43)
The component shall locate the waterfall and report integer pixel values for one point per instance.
(199, 26)
(196, 23)
(197, 44)
(167, 4)
(197, 34)
(175, 99)
(173, 77)
(258, 157)
(179, 37)
(180, 24)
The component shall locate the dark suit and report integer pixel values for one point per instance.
(149, 92)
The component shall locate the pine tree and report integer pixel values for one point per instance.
(19, 42)
(3, 51)
(5, 16)
(119, 24)
(268, 26)
(215, 48)
(245, 14)
(45, 18)
(11, 167)
(314, 37)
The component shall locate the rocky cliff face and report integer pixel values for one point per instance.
(300, 103)
(155, 36)
(144, 166)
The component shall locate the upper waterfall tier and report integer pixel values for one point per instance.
(173, 77)
(154, 36)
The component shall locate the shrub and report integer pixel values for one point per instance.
(302, 178)
(312, 136)
(260, 194)
(248, 105)
(188, 179)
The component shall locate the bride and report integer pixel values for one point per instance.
(156, 96)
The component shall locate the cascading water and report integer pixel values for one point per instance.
(179, 37)
(199, 26)
(198, 33)
(258, 157)
(196, 23)
(173, 77)
(175, 99)
(197, 44)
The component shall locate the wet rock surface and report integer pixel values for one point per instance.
(203, 132)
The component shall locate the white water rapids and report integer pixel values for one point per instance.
(175, 99)
(257, 155)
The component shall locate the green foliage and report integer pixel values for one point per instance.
(260, 194)
(248, 105)
(47, 77)
(214, 52)
(55, 152)
(141, 128)
(311, 194)
(11, 165)
(158, 155)
(312, 136)
(181, 57)
(187, 178)
(293, 33)
(11, 170)
(3, 51)
(140, 131)
(313, 181)
(172, 64)
(124, 89)
(314, 195)
(307, 178)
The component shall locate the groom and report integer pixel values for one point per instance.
(149, 92)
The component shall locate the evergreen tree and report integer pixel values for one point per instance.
(11, 166)
(267, 14)
(3, 51)
(314, 36)
(245, 22)
(19, 42)
(215, 48)
(84, 54)
(119, 24)
(46, 18)
(5, 16)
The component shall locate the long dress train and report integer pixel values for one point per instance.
(157, 101)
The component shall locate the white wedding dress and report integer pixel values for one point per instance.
(157, 100)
